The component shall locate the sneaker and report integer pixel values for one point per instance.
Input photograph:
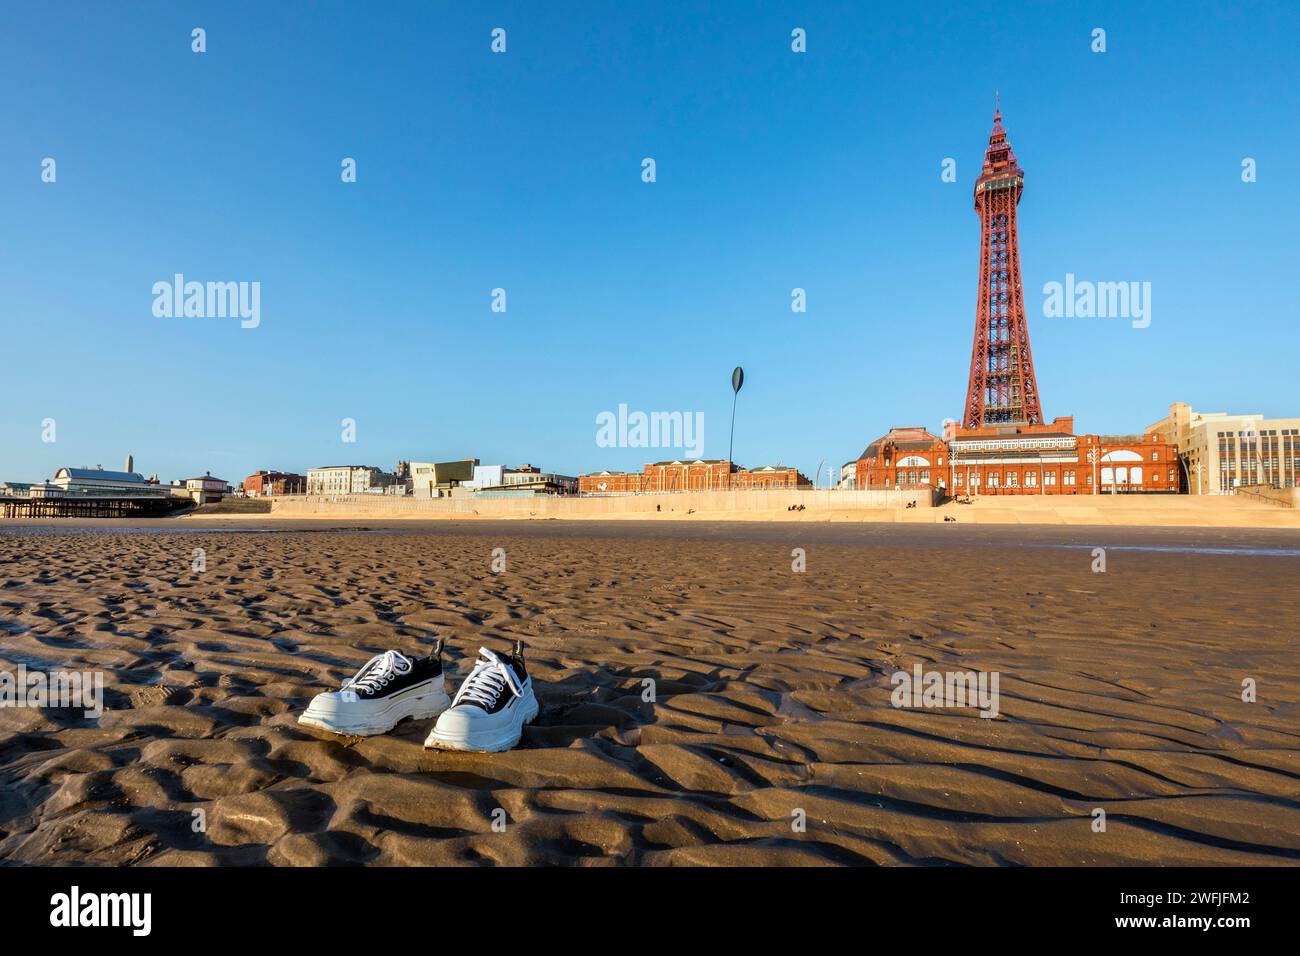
(387, 690)
(491, 706)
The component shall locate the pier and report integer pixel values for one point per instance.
(94, 506)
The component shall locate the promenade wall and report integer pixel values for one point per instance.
(598, 506)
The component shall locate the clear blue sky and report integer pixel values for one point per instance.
(522, 171)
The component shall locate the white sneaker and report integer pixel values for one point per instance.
(491, 706)
(387, 690)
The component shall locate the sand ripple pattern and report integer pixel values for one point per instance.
(1120, 691)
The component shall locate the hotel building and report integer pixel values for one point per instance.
(770, 476)
(1220, 452)
(611, 483)
(344, 480)
(269, 483)
(700, 474)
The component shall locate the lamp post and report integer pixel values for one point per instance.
(737, 380)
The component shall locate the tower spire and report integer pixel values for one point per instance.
(1002, 389)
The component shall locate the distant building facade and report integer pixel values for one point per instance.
(1219, 452)
(99, 481)
(527, 478)
(770, 476)
(906, 457)
(848, 476)
(1020, 459)
(433, 479)
(345, 480)
(1050, 459)
(264, 484)
(205, 488)
(611, 483)
(700, 474)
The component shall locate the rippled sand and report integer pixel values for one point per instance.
(1119, 691)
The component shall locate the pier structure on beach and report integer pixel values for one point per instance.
(138, 505)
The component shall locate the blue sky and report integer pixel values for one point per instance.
(522, 171)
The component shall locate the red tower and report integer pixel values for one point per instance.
(1002, 388)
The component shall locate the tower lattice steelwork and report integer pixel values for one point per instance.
(1002, 388)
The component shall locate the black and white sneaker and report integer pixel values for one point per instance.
(491, 706)
(387, 690)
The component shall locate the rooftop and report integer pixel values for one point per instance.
(91, 474)
(692, 461)
(904, 438)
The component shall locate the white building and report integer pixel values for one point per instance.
(345, 480)
(486, 476)
(207, 483)
(97, 480)
(438, 479)
(1220, 452)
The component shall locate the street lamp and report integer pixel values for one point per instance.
(737, 380)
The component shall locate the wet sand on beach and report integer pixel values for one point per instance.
(1119, 691)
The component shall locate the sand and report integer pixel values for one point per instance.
(1119, 691)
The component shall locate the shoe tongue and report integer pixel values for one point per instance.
(485, 675)
(492, 657)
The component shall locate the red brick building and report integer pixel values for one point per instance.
(907, 457)
(700, 474)
(610, 483)
(770, 476)
(1022, 459)
(1052, 460)
(266, 483)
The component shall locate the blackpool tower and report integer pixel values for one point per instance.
(1002, 389)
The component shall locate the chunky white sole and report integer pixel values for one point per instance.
(431, 703)
(501, 738)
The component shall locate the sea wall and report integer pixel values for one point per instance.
(737, 502)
